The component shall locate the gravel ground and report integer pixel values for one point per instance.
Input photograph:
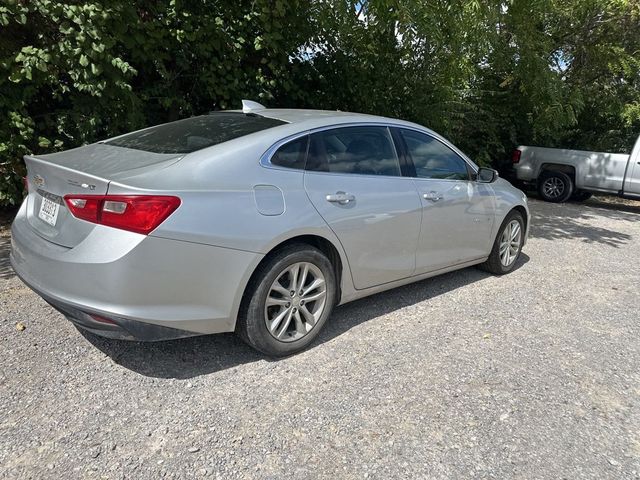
(531, 375)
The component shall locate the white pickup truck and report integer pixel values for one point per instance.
(562, 174)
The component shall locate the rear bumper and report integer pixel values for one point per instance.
(152, 288)
(119, 328)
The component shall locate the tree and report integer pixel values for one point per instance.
(487, 74)
(75, 73)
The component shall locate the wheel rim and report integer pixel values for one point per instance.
(553, 187)
(295, 302)
(510, 243)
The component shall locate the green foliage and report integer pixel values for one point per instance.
(72, 73)
(489, 75)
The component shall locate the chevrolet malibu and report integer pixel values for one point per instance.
(257, 221)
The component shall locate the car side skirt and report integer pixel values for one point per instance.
(357, 294)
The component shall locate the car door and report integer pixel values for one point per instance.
(353, 178)
(457, 212)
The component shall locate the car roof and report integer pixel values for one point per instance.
(306, 118)
(299, 121)
(292, 115)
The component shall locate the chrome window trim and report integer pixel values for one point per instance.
(456, 151)
(265, 158)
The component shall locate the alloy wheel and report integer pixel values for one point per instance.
(510, 243)
(553, 187)
(295, 302)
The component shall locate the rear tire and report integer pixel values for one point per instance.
(282, 312)
(502, 261)
(555, 186)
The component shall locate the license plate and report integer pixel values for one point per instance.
(49, 211)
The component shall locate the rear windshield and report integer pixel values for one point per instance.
(191, 134)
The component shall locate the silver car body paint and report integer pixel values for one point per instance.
(191, 272)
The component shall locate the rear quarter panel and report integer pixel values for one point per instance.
(221, 201)
(229, 200)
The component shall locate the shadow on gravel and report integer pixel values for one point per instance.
(6, 217)
(352, 314)
(5, 266)
(554, 222)
(192, 357)
(182, 359)
(600, 201)
(612, 205)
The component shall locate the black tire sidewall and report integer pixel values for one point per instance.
(253, 327)
(494, 264)
(566, 180)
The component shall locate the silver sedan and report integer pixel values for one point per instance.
(257, 221)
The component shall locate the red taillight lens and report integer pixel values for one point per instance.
(515, 156)
(85, 207)
(135, 213)
(140, 214)
(25, 183)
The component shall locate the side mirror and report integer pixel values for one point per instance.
(486, 175)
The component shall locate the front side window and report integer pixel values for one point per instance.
(432, 158)
(356, 150)
(292, 154)
(195, 133)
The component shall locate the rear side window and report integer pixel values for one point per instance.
(357, 150)
(292, 154)
(433, 159)
(191, 134)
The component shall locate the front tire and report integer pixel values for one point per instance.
(507, 245)
(288, 301)
(555, 187)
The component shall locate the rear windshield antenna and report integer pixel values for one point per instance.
(249, 106)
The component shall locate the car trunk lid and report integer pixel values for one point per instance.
(86, 170)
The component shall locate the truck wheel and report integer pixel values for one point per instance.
(555, 187)
(581, 196)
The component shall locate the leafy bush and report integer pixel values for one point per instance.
(488, 75)
(72, 73)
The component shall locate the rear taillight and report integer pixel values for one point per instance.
(86, 207)
(515, 156)
(135, 213)
(25, 183)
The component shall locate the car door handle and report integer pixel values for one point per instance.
(340, 197)
(433, 196)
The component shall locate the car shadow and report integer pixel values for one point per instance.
(192, 357)
(598, 200)
(553, 221)
(6, 217)
(5, 265)
(614, 204)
